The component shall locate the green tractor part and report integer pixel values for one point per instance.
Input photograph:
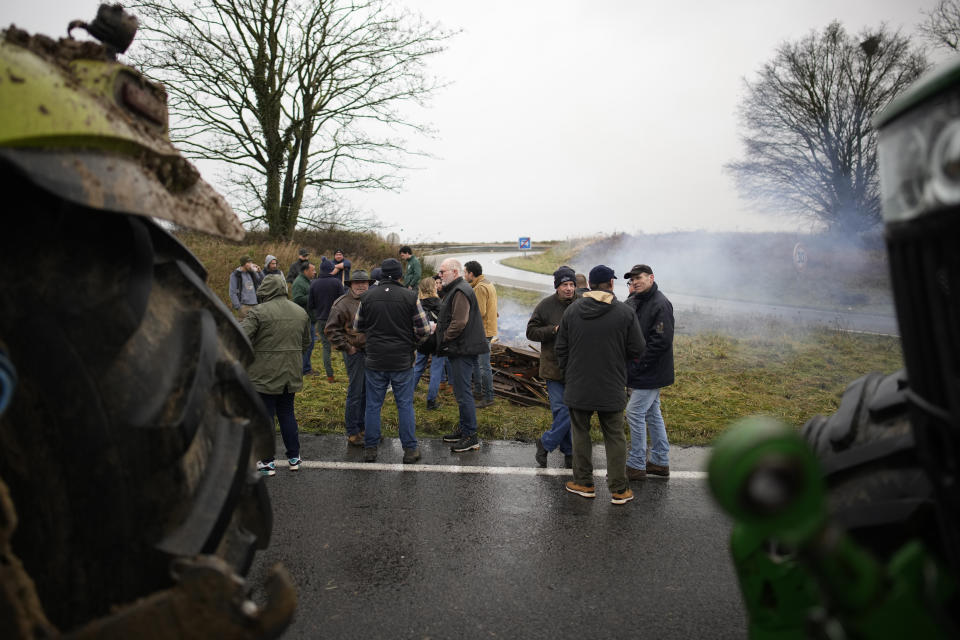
(801, 575)
(77, 123)
(130, 504)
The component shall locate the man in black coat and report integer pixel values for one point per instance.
(597, 336)
(324, 291)
(647, 375)
(394, 323)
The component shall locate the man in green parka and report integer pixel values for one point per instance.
(280, 333)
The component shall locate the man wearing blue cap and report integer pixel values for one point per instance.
(597, 336)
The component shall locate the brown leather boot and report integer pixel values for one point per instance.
(636, 474)
(658, 470)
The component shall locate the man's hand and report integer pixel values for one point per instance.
(351, 349)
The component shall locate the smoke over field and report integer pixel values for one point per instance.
(760, 267)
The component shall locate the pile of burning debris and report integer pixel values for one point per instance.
(515, 375)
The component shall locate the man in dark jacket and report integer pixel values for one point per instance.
(301, 295)
(461, 339)
(279, 331)
(542, 327)
(341, 267)
(340, 333)
(324, 290)
(394, 323)
(303, 255)
(647, 375)
(597, 335)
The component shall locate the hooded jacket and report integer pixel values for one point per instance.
(324, 290)
(654, 369)
(540, 328)
(266, 261)
(280, 333)
(598, 335)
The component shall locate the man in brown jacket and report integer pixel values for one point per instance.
(487, 302)
(341, 334)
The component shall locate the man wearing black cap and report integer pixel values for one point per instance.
(542, 327)
(324, 290)
(394, 323)
(341, 267)
(647, 375)
(297, 267)
(597, 335)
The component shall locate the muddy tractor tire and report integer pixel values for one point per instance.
(132, 436)
(877, 489)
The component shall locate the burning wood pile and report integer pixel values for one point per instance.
(516, 375)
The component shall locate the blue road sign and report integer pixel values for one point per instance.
(524, 243)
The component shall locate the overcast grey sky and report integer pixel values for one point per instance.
(568, 118)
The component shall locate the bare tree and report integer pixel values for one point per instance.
(299, 97)
(810, 146)
(941, 28)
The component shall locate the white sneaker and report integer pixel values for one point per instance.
(267, 468)
(294, 464)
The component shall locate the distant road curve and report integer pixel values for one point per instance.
(852, 321)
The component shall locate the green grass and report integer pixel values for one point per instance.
(719, 378)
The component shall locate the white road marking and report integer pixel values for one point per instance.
(454, 468)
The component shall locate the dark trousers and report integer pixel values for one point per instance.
(281, 406)
(614, 440)
(461, 370)
(353, 415)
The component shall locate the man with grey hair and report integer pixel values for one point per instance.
(461, 338)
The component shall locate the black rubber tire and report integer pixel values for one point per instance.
(134, 430)
(877, 489)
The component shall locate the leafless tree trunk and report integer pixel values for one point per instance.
(810, 146)
(299, 97)
(942, 25)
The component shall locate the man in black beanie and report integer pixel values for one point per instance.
(394, 322)
(542, 327)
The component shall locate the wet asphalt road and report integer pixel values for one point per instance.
(485, 545)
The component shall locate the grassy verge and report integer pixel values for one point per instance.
(720, 378)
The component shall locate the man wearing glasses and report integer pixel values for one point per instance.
(461, 339)
(647, 375)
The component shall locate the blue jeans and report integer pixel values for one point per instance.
(483, 375)
(643, 415)
(438, 373)
(402, 383)
(558, 435)
(281, 406)
(461, 370)
(307, 365)
(327, 363)
(353, 413)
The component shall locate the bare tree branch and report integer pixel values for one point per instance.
(941, 27)
(300, 98)
(810, 148)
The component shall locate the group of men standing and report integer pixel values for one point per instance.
(595, 350)
(598, 355)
